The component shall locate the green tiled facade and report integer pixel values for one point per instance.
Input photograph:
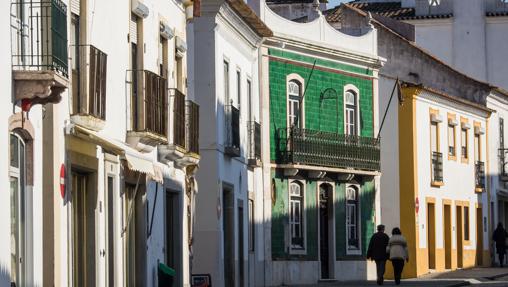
(323, 115)
(280, 219)
(320, 114)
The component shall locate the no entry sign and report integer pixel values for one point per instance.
(62, 180)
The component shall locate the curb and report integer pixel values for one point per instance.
(494, 277)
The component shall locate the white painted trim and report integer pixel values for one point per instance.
(304, 219)
(359, 226)
(351, 87)
(300, 79)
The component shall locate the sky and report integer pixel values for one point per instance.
(333, 3)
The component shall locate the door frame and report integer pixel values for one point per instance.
(447, 233)
(331, 229)
(431, 232)
(459, 238)
(479, 234)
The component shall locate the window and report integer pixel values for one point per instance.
(501, 133)
(294, 98)
(352, 228)
(19, 258)
(451, 140)
(434, 138)
(296, 215)
(463, 140)
(477, 151)
(226, 83)
(249, 100)
(238, 87)
(351, 110)
(252, 225)
(466, 223)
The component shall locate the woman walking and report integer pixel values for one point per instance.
(397, 249)
(499, 237)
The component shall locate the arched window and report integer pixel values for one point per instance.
(352, 223)
(351, 112)
(17, 175)
(294, 89)
(296, 215)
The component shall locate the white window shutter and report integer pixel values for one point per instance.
(75, 4)
(133, 29)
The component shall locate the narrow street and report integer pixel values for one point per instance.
(463, 277)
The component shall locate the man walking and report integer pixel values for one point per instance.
(377, 251)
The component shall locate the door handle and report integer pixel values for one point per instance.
(102, 253)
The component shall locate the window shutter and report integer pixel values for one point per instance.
(75, 4)
(133, 29)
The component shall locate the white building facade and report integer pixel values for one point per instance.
(107, 173)
(228, 244)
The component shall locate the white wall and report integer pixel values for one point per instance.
(458, 177)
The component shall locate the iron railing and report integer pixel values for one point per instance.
(89, 81)
(39, 35)
(437, 166)
(232, 144)
(192, 125)
(479, 174)
(178, 117)
(254, 129)
(330, 149)
(149, 102)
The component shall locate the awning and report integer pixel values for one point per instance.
(164, 269)
(135, 160)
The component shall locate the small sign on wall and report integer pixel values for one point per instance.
(201, 280)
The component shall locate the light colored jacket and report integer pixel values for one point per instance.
(397, 247)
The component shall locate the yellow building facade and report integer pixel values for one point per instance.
(443, 194)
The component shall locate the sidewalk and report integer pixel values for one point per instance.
(462, 277)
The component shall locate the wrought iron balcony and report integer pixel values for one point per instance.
(39, 50)
(479, 175)
(192, 125)
(232, 143)
(254, 129)
(89, 86)
(148, 108)
(178, 118)
(329, 149)
(437, 167)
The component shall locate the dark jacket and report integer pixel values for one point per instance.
(377, 246)
(499, 237)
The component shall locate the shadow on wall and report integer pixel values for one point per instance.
(5, 278)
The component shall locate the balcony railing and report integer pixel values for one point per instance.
(437, 167)
(89, 81)
(192, 125)
(178, 117)
(479, 174)
(149, 102)
(39, 35)
(254, 130)
(329, 149)
(232, 144)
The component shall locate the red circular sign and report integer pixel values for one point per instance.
(62, 180)
(417, 205)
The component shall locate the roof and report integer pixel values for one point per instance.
(276, 2)
(394, 10)
(250, 17)
(411, 43)
(448, 97)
